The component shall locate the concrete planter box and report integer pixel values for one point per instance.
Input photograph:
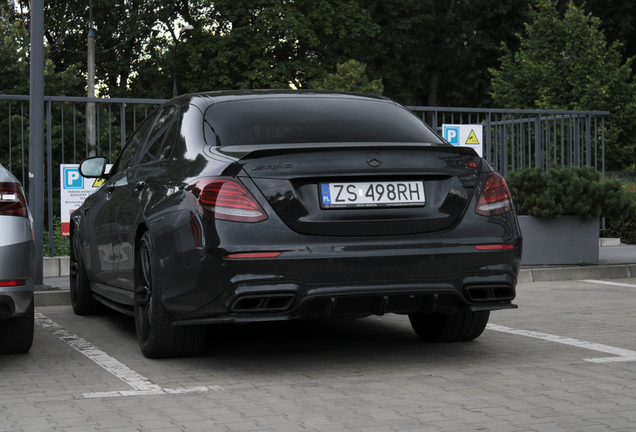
(568, 240)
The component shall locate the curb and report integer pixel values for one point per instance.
(619, 271)
(56, 266)
(60, 297)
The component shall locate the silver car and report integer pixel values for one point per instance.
(17, 267)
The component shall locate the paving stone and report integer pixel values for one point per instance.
(366, 375)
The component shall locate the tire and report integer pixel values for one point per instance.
(16, 334)
(81, 295)
(459, 327)
(156, 335)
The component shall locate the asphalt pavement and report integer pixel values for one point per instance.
(615, 262)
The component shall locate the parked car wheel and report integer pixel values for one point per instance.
(16, 334)
(157, 337)
(458, 327)
(82, 298)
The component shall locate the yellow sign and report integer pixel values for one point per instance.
(98, 182)
(472, 138)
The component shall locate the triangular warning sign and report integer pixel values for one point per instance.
(472, 138)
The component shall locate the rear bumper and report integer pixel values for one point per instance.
(17, 262)
(15, 301)
(336, 278)
(291, 301)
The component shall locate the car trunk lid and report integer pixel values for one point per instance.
(293, 180)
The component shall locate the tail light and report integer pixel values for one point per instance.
(249, 255)
(495, 198)
(495, 247)
(12, 201)
(12, 283)
(225, 198)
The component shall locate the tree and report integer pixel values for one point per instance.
(565, 63)
(244, 44)
(617, 20)
(14, 58)
(350, 76)
(122, 28)
(437, 52)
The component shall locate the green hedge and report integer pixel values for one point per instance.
(567, 191)
(624, 229)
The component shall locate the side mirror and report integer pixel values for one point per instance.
(93, 167)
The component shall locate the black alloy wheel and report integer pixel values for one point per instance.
(81, 295)
(156, 335)
(458, 327)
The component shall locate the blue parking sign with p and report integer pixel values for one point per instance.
(73, 179)
(451, 134)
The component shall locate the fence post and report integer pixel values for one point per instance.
(537, 141)
(503, 149)
(588, 141)
(122, 132)
(10, 152)
(36, 135)
(488, 136)
(49, 174)
(603, 145)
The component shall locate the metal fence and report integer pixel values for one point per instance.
(518, 139)
(68, 141)
(513, 139)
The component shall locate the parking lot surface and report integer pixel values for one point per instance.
(564, 361)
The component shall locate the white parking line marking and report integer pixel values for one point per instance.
(608, 283)
(623, 354)
(141, 385)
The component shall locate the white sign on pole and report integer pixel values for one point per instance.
(73, 191)
(465, 136)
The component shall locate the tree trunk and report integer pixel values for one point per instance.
(433, 82)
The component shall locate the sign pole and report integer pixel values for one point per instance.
(36, 135)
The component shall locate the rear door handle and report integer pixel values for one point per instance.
(140, 185)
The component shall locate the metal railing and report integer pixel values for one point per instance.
(513, 139)
(68, 139)
(518, 139)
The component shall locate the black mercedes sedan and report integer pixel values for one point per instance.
(252, 206)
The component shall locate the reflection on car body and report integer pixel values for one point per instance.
(215, 213)
(17, 267)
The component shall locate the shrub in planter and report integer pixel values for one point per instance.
(575, 195)
(575, 191)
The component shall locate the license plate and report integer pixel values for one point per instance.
(372, 194)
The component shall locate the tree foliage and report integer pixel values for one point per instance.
(14, 55)
(617, 20)
(350, 76)
(565, 63)
(427, 52)
(437, 52)
(245, 44)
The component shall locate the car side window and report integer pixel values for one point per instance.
(159, 143)
(127, 156)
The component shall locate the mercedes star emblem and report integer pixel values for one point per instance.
(374, 160)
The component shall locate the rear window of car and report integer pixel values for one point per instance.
(312, 120)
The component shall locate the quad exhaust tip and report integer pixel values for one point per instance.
(481, 293)
(263, 303)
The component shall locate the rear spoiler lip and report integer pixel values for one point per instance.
(241, 152)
